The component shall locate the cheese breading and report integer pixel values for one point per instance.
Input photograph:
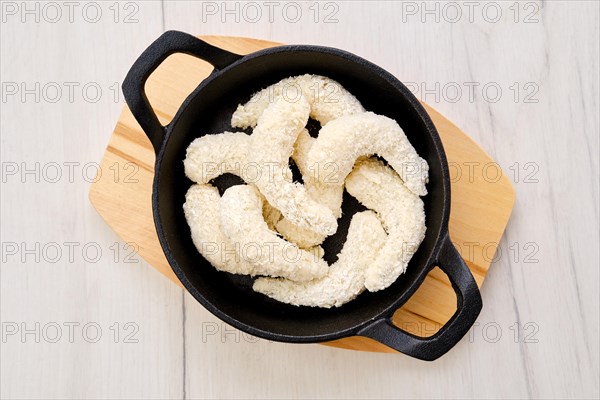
(327, 99)
(271, 145)
(402, 213)
(243, 223)
(346, 277)
(342, 141)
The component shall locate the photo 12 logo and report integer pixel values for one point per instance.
(68, 252)
(493, 252)
(491, 172)
(452, 12)
(67, 172)
(53, 12)
(469, 92)
(60, 92)
(488, 332)
(270, 11)
(69, 332)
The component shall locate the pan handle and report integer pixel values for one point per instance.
(168, 43)
(468, 307)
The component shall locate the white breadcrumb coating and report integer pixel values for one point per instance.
(243, 223)
(346, 277)
(328, 195)
(209, 156)
(328, 100)
(271, 145)
(238, 232)
(402, 213)
(342, 141)
(202, 213)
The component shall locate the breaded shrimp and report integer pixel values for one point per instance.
(327, 99)
(202, 213)
(402, 213)
(243, 223)
(342, 141)
(329, 195)
(346, 277)
(209, 156)
(271, 145)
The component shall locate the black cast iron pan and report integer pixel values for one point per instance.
(208, 111)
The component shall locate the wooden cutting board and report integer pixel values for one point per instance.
(482, 196)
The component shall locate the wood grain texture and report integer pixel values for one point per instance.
(538, 333)
(479, 212)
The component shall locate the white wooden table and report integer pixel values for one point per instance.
(84, 318)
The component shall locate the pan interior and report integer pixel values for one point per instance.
(209, 112)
